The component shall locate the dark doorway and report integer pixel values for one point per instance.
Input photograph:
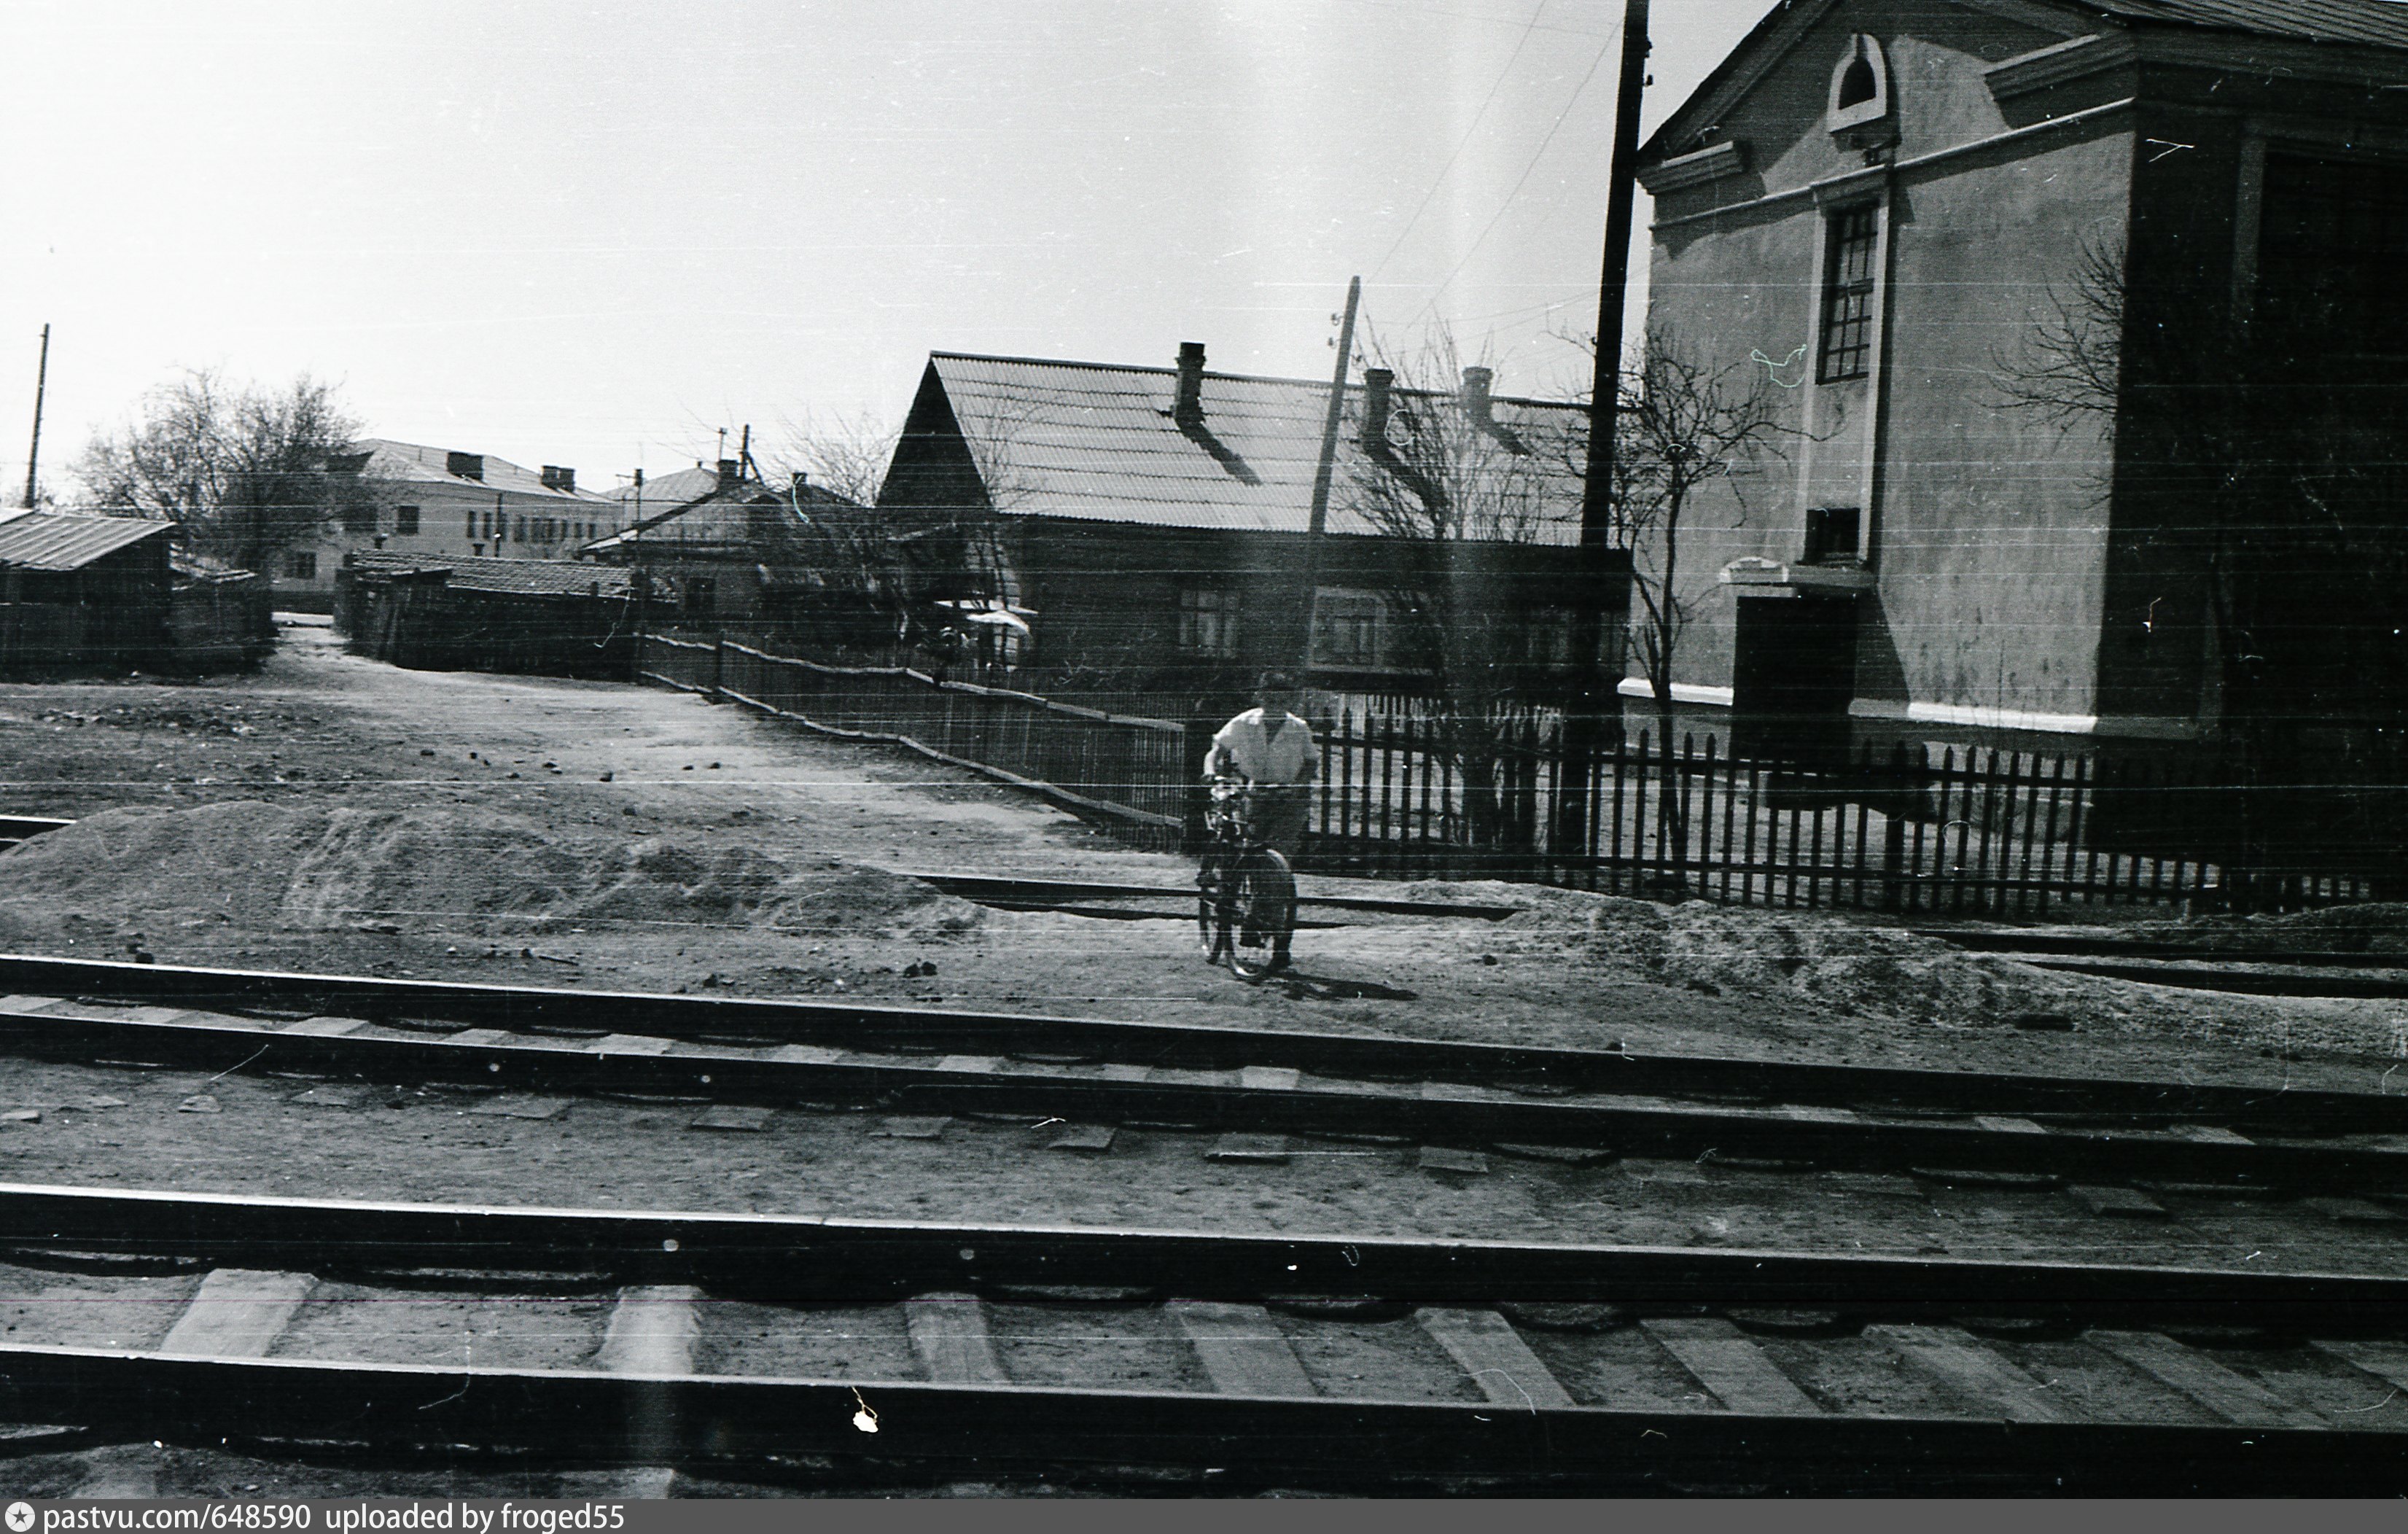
(1793, 673)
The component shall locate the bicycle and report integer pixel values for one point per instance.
(1245, 904)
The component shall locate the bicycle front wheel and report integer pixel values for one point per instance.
(1262, 902)
(1213, 913)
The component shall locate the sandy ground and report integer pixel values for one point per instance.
(336, 814)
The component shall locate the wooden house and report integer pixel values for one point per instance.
(1140, 538)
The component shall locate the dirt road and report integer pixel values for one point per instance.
(336, 813)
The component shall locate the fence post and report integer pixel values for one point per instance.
(719, 668)
(1894, 829)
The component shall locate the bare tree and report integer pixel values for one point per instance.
(1680, 426)
(1466, 499)
(247, 470)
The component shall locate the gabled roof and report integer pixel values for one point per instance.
(501, 576)
(59, 541)
(675, 488)
(414, 463)
(662, 526)
(1097, 441)
(2374, 24)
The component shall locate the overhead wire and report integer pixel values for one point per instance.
(1464, 142)
(1536, 155)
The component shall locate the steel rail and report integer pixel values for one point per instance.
(592, 1416)
(1289, 1102)
(1989, 941)
(1205, 1046)
(798, 1257)
(989, 888)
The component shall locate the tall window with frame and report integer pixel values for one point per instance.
(1848, 294)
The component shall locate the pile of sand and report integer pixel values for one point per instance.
(1834, 962)
(268, 868)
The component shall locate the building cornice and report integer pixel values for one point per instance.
(1683, 171)
(2076, 59)
(1815, 190)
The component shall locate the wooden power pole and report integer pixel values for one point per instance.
(1592, 691)
(41, 386)
(1319, 518)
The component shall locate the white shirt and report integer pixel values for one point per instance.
(1266, 751)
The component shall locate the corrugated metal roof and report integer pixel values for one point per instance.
(418, 463)
(1097, 441)
(69, 540)
(666, 527)
(675, 488)
(505, 577)
(2381, 23)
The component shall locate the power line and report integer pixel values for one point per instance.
(1535, 156)
(1439, 179)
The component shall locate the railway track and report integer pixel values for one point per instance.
(2274, 972)
(414, 1032)
(760, 1346)
(769, 1347)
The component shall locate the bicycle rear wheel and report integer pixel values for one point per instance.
(1262, 902)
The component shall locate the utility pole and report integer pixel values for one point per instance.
(41, 386)
(1592, 691)
(1319, 519)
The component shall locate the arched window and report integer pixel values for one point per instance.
(1859, 85)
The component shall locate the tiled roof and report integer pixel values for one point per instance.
(1096, 441)
(69, 540)
(2381, 23)
(505, 577)
(418, 463)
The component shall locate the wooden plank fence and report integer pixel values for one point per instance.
(1130, 772)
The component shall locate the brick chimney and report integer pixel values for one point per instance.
(1377, 382)
(1188, 409)
(731, 473)
(557, 478)
(1476, 382)
(468, 466)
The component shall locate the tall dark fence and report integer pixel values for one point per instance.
(1130, 772)
(1909, 829)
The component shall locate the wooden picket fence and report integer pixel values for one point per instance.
(1957, 832)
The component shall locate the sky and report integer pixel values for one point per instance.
(593, 234)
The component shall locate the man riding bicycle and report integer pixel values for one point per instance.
(1271, 750)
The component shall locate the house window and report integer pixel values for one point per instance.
(518, 534)
(1848, 295)
(470, 531)
(1348, 627)
(1207, 620)
(1833, 535)
(359, 519)
(300, 565)
(405, 521)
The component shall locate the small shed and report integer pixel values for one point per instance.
(540, 617)
(82, 593)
